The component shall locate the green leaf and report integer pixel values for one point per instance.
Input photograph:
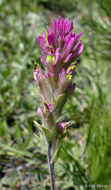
(39, 127)
(58, 105)
(44, 131)
(56, 154)
(58, 100)
(16, 151)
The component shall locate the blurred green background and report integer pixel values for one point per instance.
(85, 157)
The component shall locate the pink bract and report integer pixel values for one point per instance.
(62, 43)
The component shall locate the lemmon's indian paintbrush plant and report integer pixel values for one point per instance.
(60, 49)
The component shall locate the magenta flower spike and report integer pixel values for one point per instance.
(59, 46)
(60, 49)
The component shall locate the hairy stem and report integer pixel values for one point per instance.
(51, 169)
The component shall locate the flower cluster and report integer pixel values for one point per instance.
(60, 48)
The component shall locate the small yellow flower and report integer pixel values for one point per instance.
(50, 59)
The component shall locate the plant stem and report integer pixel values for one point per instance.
(51, 168)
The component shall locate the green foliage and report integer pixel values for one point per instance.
(85, 155)
(99, 144)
